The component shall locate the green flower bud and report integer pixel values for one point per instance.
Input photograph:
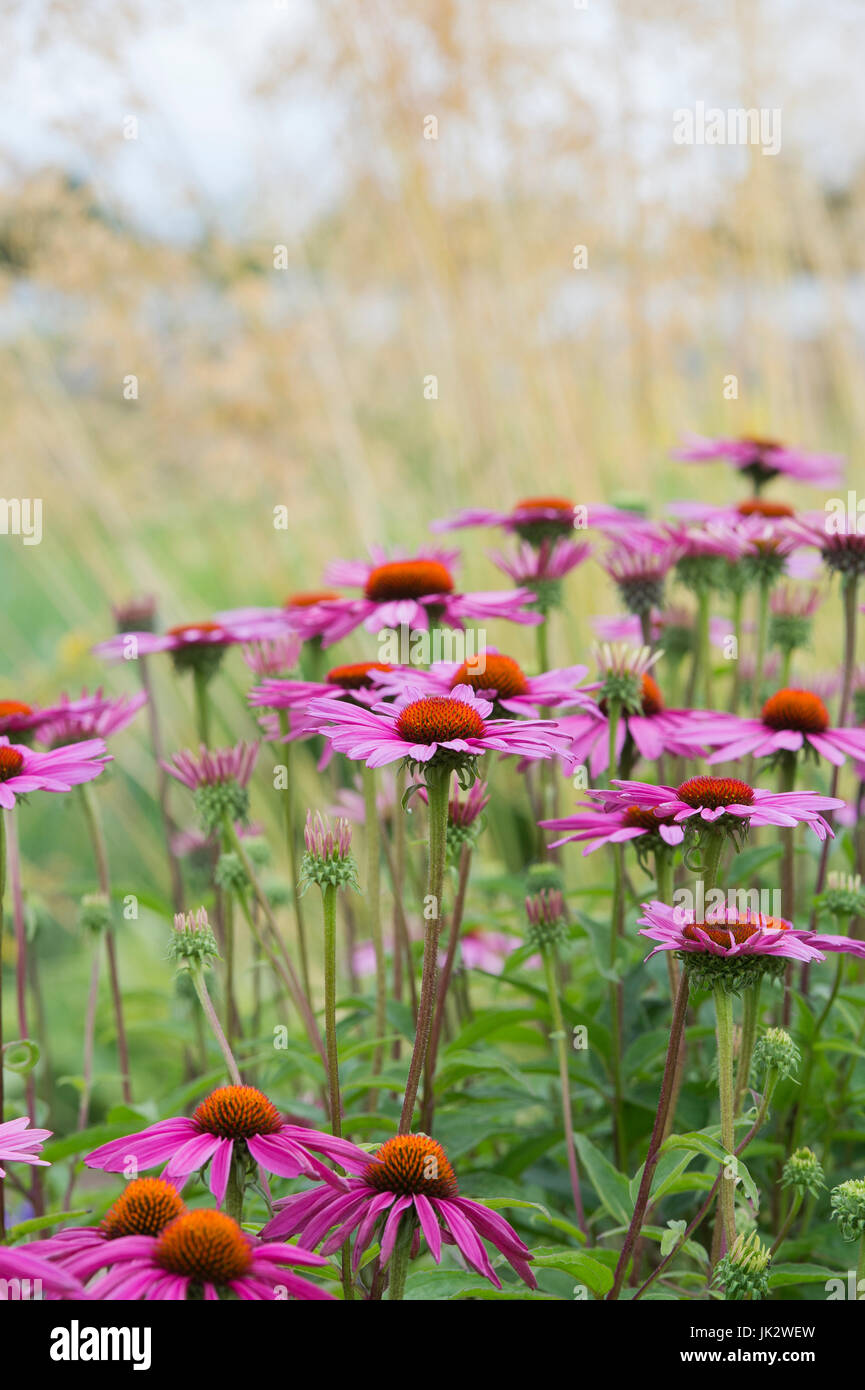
(848, 1208)
(230, 873)
(777, 1050)
(844, 896)
(328, 860)
(744, 1270)
(192, 942)
(803, 1170)
(214, 801)
(547, 924)
(94, 913)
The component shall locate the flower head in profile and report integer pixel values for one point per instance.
(803, 1170)
(21, 1144)
(606, 820)
(272, 656)
(328, 860)
(791, 614)
(547, 922)
(839, 537)
(415, 592)
(445, 730)
(735, 945)
(541, 568)
(638, 564)
(193, 646)
(22, 770)
(763, 459)
(732, 803)
(791, 721)
(539, 519)
(218, 780)
(234, 1123)
(200, 1254)
(90, 716)
(135, 614)
(408, 1182)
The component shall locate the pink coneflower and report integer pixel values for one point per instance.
(791, 721)
(839, 537)
(653, 731)
(144, 1208)
(16, 716)
(232, 1118)
(422, 727)
(489, 951)
(542, 568)
(272, 656)
(201, 1253)
(408, 1180)
(499, 678)
(727, 931)
(762, 459)
(605, 821)
(539, 519)
(22, 770)
(90, 716)
(192, 645)
(638, 564)
(212, 767)
(135, 614)
(711, 798)
(357, 681)
(27, 1274)
(417, 592)
(20, 1144)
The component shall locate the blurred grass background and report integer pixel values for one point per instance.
(405, 258)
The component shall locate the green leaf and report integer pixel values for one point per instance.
(610, 1185)
(43, 1223)
(578, 1265)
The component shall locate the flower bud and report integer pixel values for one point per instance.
(328, 860)
(777, 1051)
(744, 1270)
(547, 922)
(192, 942)
(94, 913)
(803, 1170)
(230, 873)
(848, 1208)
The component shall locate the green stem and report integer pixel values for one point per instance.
(234, 1193)
(285, 969)
(736, 684)
(209, 1012)
(560, 1038)
(398, 1269)
(805, 1085)
(762, 637)
(294, 866)
(202, 706)
(328, 902)
(616, 932)
(100, 854)
(750, 1014)
(373, 893)
(703, 649)
(437, 784)
(727, 1189)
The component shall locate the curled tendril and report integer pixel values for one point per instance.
(25, 1064)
